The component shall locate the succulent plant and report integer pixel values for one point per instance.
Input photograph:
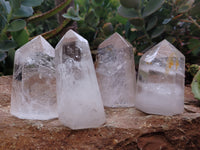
(94, 19)
(139, 13)
(108, 28)
(193, 69)
(14, 17)
(196, 85)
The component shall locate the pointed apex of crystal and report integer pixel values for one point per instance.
(115, 62)
(71, 36)
(165, 44)
(160, 84)
(116, 38)
(79, 99)
(33, 72)
(38, 44)
(162, 50)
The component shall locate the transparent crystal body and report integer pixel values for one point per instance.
(160, 82)
(115, 70)
(79, 100)
(34, 83)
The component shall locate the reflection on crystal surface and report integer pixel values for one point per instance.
(160, 84)
(34, 84)
(115, 70)
(79, 100)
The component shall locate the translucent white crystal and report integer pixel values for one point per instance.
(79, 100)
(160, 84)
(115, 70)
(34, 83)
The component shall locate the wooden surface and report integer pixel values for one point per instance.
(125, 129)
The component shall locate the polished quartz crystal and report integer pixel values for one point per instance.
(160, 84)
(115, 70)
(79, 100)
(34, 82)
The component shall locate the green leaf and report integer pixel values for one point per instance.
(71, 17)
(100, 11)
(6, 6)
(128, 12)
(183, 8)
(157, 31)
(137, 21)
(3, 4)
(193, 69)
(16, 25)
(152, 23)
(186, 6)
(15, 4)
(108, 28)
(195, 10)
(91, 19)
(194, 46)
(3, 55)
(21, 37)
(152, 6)
(98, 2)
(31, 3)
(196, 85)
(2, 21)
(72, 14)
(6, 45)
(119, 19)
(130, 3)
(23, 11)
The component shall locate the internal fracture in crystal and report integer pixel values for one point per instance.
(34, 83)
(79, 100)
(160, 83)
(115, 70)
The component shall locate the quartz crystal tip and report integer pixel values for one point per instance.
(160, 83)
(115, 70)
(118, 42)
(79, 101)
(33, 89)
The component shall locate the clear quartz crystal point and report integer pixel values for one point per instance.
(115, 70)
(79, 100)
(34, 82)
(160, 84)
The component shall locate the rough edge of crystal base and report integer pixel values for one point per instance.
(88, 127)
(34, 117)
(158, 113)
(119, 106)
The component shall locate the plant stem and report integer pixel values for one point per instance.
(193, 21)
(49, 13)
(147, 35)
(143, 27)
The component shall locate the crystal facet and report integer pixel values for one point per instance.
(79, 100)
(115, 70)
(34, 82)
(160, 84)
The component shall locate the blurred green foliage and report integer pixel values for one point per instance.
(13, 33)
(154, 20)
(19, 22)
(196, 85)
(142, 22)
(97, 19)
(44, 25)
